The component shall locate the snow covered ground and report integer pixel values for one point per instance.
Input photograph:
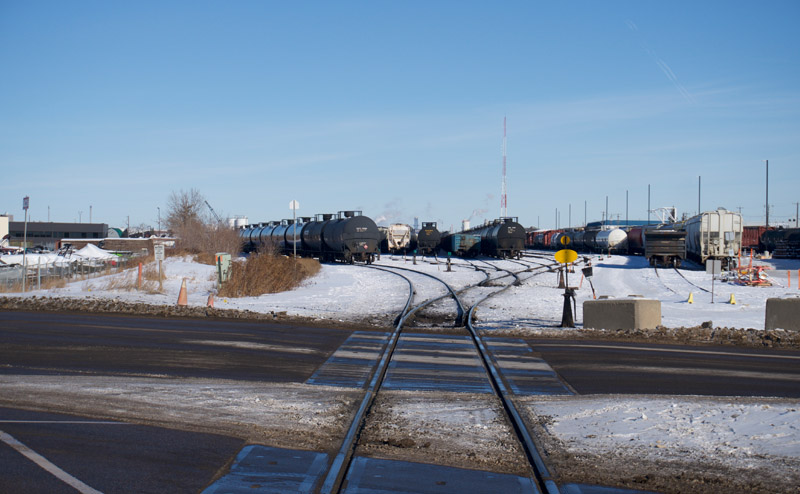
(357, 293)
(758, 433)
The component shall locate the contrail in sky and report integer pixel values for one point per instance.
(662, 65)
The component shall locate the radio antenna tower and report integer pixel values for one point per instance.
(503, 198)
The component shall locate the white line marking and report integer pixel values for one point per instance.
(45, 463)
(61, 422)
(670, 350)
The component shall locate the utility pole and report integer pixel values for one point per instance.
(503, 191)
(570, 216)
(90, 213)
(698, 195)
(607, 218)
(626, 208)
(584, 214)
(767, 200)
(648, 204)
(797, 214)
(25, 204)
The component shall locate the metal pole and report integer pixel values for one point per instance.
(626, 208)
(607, 219)
(648, 204)
(767, 161)
(698, 195)
(25, 250)
(797, 215)
(570, 216)
(584, 214)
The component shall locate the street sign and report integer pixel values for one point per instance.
(158, 250)
(566, 256)
(294, 205)
(713, 266)
(25, 202)
(565, 240)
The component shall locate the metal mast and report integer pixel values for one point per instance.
(503, 198)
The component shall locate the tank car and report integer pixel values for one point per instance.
(351, 237)
(428, 238)
(502, 238)
(612, 241)
(589, 240)
(311, 235)
(636, 240)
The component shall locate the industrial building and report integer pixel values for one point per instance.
(47, 234)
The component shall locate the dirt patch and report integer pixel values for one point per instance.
(113, 306)
(291, 416)
(453, 429)
(698, 335)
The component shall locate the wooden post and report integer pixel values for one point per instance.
(139, 280)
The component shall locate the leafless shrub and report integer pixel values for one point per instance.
(267, 273)
(196, 231)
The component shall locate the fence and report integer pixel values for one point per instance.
(39, 274)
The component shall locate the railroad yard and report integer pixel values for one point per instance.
(698, 417)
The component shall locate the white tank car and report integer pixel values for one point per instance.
(714, 235)
(615, 240)
(398, 237)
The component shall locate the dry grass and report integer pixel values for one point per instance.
(267, 273)
(47, 284)
(205, 239)
(128, 281)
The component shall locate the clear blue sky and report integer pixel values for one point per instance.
(396, 108)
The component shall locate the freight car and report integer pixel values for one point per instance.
(612, 241)
(397, 238)
(501, 238)
(347, 236)
(713, 235)
(428, 238)
(788, 246)
(461, 244)
(664, 247)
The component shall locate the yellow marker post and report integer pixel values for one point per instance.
(566, 256)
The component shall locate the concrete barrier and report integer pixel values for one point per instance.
(622, 314)
(783, 313)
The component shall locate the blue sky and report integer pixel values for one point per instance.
(396, 108)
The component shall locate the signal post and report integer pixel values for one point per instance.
(566, 256)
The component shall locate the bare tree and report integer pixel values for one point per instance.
(194, 228)
(185, 210)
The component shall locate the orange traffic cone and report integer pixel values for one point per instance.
(182, 299)
(210, 302)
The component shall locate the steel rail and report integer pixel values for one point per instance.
(541, 472)
(341, 462)
(689, 282)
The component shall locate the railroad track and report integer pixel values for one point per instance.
(684, 279)
(540, 476)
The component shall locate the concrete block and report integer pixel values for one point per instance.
(622, 314)
(783, 313)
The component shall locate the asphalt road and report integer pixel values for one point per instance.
(638, 368)
(107, 456)
(117, 457)
(54, 343)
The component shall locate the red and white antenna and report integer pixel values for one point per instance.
(503, 198)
